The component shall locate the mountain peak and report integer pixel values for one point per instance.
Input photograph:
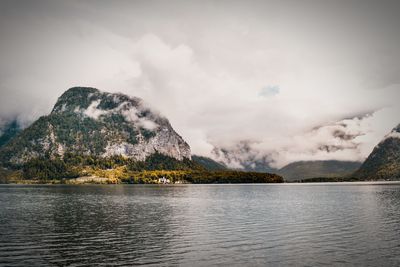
(80, 90)
(88, 121)
(81, 98)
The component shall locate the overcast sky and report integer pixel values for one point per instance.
(294, 80)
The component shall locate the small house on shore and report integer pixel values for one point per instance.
(163, 180)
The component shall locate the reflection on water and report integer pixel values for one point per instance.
(203, 225)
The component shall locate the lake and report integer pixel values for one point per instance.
(200, 225)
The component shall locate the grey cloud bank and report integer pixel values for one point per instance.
(288, 77)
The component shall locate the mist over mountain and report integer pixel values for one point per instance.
(243, 156)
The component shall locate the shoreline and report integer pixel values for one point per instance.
(106, 181)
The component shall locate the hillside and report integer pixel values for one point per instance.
(208, 163)
(384, 161)
(315, 169)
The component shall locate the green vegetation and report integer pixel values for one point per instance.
(9, 130)
(308, 170)
(82, 134)
(76, 97)
(326, 179)
(23, 140)
(147, 134)
(68, 146)
(384, 161)
(204, 177)
(43, 169)
(5, 175)
(118, 169)
(108, 103)
(67, 130)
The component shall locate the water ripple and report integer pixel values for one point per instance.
(200, 225)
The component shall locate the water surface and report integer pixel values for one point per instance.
(200, 225)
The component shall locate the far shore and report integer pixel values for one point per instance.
(87, 180)
(346, 182)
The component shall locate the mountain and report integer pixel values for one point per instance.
(313, 169)
(209, 164)
(8, 131)
(86, 121)
(384, 161)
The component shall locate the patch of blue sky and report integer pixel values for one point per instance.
(269, 90)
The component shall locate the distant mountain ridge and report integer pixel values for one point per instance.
(87, 121)
(208, 163)
(384, 161)
(321, 168)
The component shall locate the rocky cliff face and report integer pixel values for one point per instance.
(87, 121)
(384, 161)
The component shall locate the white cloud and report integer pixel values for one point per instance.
(93, 112)
(206, 66)
(392, 134)
(148, 124)
(130, 114)
(349, 139)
